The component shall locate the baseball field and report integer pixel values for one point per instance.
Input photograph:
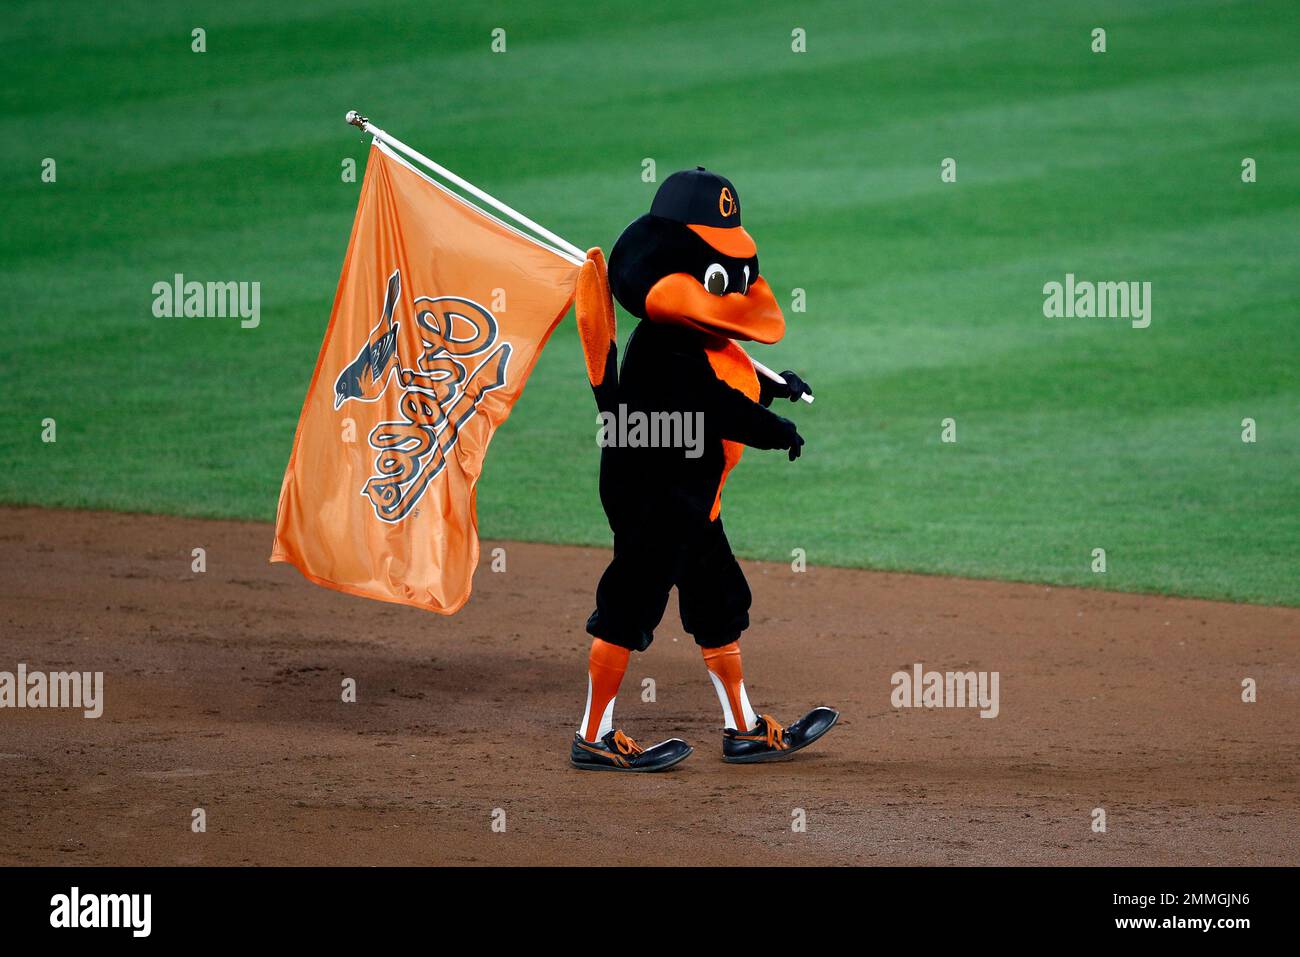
(1102, 509)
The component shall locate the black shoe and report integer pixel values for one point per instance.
(617, 752)
(768, 741)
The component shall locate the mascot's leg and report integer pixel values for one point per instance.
(728, 678)
(629, 603)
(605, 667)
(714, 599)
(633, 591)
(598, 745)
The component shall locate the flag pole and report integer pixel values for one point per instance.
(563, 246)
(572, 252)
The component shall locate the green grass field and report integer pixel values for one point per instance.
(924, 298)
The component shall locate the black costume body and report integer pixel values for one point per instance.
(690, 274)
(658, 500)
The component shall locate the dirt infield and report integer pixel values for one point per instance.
(222, 692)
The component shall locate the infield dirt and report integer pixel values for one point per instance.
(223, 692)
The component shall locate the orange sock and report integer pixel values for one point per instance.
(605, 670)
(729, 682)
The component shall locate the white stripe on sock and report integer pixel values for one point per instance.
(586, 712)
(606, 720)
(751, 719)
(728, 719)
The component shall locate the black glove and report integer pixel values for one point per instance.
(792, 389)
(790, 438)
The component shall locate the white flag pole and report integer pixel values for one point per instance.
(563, 246)
(573, 253)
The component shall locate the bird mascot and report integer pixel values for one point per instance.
(689, 272)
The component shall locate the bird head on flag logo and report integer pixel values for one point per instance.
(415, 375)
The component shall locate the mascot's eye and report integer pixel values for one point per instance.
(715, 279)
(745, 285)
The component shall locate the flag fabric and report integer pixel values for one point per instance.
(441, 312)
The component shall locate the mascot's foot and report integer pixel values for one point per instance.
(768, 741)
(617, 752)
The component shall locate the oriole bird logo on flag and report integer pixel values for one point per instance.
(441, 312)
(365, 377)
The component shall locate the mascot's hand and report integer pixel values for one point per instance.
(793, 388)
(790, 438)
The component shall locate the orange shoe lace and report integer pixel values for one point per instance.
(625, 744)
(775, 733)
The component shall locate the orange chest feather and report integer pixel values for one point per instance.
(732, 366)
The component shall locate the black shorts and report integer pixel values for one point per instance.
(649, 559)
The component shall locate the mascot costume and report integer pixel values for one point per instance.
(689, 272)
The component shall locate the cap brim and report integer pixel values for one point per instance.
(731, 241)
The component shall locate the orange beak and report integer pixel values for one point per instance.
(753, 315)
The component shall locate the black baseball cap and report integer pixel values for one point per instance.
(709, 206)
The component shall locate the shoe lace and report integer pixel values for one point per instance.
(625, 744)
(775, 733)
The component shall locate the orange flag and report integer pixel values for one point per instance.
(440, 314)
